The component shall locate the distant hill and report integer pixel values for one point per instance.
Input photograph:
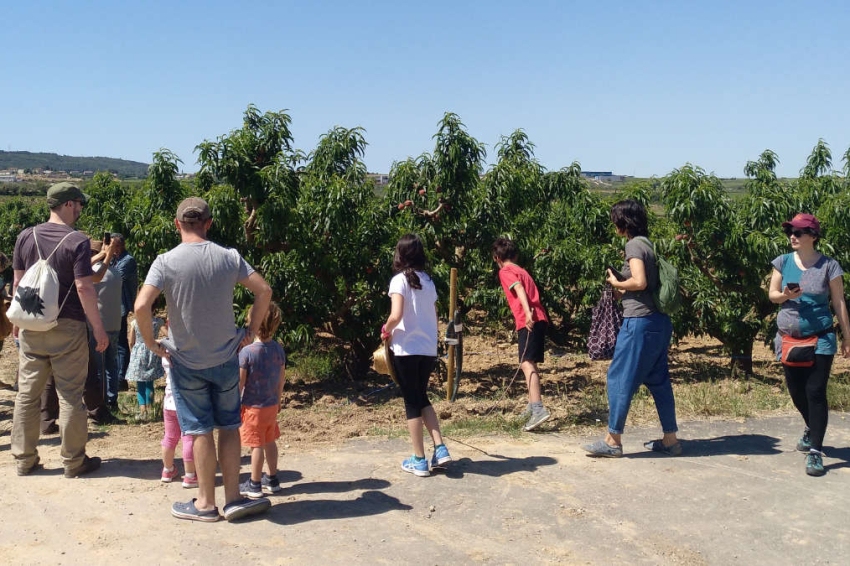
(28, 160)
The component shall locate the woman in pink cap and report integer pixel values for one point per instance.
(805, 282)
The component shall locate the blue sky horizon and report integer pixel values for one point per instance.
(637, 88)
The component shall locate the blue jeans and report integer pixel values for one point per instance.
(207, 398)
(106, 365)
(122, 350)
(640, 357)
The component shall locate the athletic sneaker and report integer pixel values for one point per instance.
(190, 481)
(270, 483)
(250, 488)
(805, 442)
(526, 413)
(416, 467)
(537, 418)
(441, 457)
(168, 475)
(814, 463)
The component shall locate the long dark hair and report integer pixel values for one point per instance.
(629, 216)
(409, 258)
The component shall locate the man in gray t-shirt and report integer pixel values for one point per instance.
(198, 278)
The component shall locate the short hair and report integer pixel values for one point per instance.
(629, 216)
(505, 249)
(271, 323)
(118, 236)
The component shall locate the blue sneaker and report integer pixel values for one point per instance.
(416, 467)
(814, 463)
(441, 457)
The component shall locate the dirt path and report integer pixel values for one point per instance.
(739, 495)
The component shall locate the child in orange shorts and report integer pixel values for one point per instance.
(261, 376)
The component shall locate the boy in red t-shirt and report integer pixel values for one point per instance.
(531, 322)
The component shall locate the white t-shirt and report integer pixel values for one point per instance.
(416, 334)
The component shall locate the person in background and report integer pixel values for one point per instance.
(172, 435)
(640, 356)
(531, 323)
(125, 264)
(262, 367)
(108, 284)
(145, 367)
(412, 327)
(805, 282)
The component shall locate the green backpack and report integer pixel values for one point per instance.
(667, 296)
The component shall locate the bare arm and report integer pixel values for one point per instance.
(105, 256)
(637, 282)
(17, 276)
(262, 297)
(144, 319)
(88, 298)
(243, 377)
(280, 386)
(839, 307)
(523, 300)
(396, 312)
(777, 294)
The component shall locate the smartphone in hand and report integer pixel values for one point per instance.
(617, 274)
(792, 286)
(107, 238)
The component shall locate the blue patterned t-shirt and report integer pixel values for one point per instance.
(810, 313)
(263, 361)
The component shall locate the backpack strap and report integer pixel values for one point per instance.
(35, 237)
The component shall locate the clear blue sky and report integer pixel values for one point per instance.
(637, 88)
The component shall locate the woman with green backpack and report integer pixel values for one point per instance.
(640, 356)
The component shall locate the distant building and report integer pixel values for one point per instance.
(380, 179)
(606, 176)
(6, 177)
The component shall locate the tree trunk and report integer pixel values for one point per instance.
(741, 362)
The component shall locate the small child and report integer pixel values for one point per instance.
(144, 366)
(262, 367)
(172, 435)
(531, 323)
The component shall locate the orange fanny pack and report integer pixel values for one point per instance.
(799, 352)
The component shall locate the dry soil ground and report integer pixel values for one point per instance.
(738, 496)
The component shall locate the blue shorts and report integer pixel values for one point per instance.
(207, 398)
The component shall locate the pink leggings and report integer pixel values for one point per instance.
(172, 435)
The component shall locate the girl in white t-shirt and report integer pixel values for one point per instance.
(412, 327)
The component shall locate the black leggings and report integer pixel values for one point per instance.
(413, 373)
(807, 387)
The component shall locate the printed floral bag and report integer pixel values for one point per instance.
(605, 323)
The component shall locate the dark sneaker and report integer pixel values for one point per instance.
(270, 483)
(52, 428)
(250, 488)
(805, 442)
(537, 418)
(814, 463)
(601, 449)
(31, 469)
(658, 446)
(245, 507)
(190, 512)
(89, 464)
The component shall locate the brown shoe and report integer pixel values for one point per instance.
(31, 469)
(89, 464)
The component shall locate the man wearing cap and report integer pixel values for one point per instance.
(125, 265)
(198, 278)
(62, 350)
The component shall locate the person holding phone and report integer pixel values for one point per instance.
(805, 282)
